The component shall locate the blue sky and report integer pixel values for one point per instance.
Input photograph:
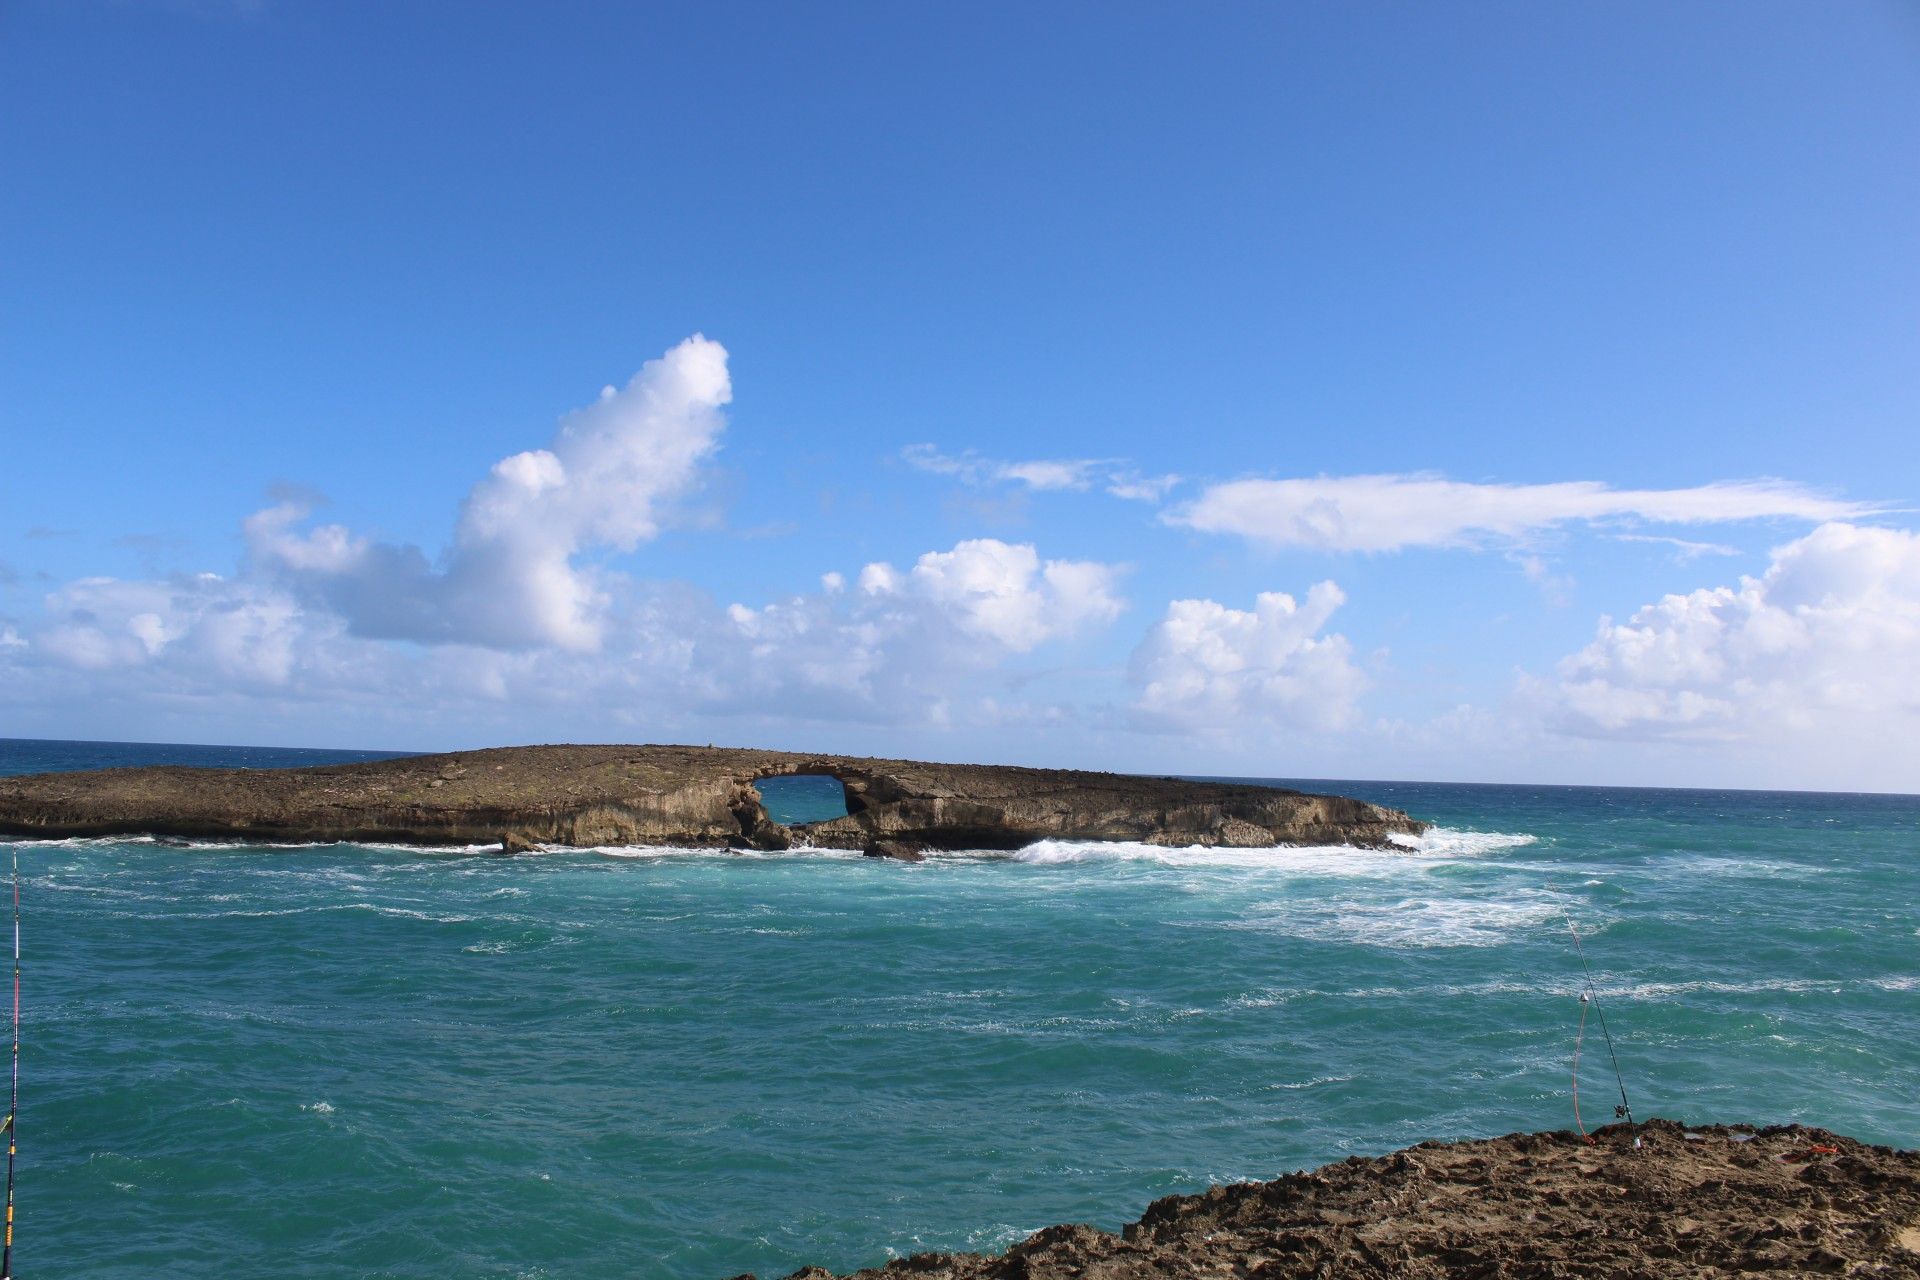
(1360, 295)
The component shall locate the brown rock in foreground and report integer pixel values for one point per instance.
(700, 797)
(1689, 1203)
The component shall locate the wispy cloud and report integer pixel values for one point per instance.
(1684, 549)
(1392, 512)
(1555, 588)
(1114, 475)
(1138, 488)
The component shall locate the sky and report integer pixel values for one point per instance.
(1428, 391)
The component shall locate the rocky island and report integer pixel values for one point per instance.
(1713, 1201)
(698, 797)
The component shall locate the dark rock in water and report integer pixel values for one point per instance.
(1713, 1201)
(770, 835)
(514, 842)
(899, 850)
(699, 797)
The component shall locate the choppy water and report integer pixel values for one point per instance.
(347, 1060)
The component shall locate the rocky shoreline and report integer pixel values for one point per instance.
(698, 797)
(1709, 1201)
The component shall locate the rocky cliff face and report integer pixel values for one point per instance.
(683, 796)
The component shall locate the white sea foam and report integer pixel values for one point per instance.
(1436, 842)
(1336, 859)
(1755, 986)
(1407, 923)
(1696, 865)
(1314, 1083)
(1436, 846)
(661, 852)
(1447, 842)
(95, 890)
(242, 844)
(322, 908)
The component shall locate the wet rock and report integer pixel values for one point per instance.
(771, 836)
(1235, 834)
(898, 850)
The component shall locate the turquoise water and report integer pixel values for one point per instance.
(802, 798)
(345, 1060)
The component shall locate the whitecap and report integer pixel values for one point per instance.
(1450, 842)
(244, 844)
(1756, 986)
(1407, 923)
(1314, 1083)
(1437, 844)
(1309, 859)
(404, 913)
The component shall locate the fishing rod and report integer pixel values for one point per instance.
(13, 1102)
(1589, 998)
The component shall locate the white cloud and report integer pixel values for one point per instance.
(909, 645)
(1391, 512)
(1003, 592)
(923, 645)
(1823, 648)
(1138, 488)
(1205, 667)
(879, 579)
(1048, 474)
(606, 480)
(1555, 588)
(201, 626)
(1068, 474)
(1684, 549)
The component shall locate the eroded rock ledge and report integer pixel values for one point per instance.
(1714, 1201)
(683, 796)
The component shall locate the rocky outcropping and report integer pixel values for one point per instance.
(701, 797)
(1714, 1201)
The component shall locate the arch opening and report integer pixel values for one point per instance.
(801, 799)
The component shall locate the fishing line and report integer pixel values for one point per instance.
(1590, 997)
(1579, 1039)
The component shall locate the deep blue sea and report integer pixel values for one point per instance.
(349, 1060)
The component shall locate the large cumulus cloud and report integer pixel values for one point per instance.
(510, 578)
(1210, 668)
(1824, 646)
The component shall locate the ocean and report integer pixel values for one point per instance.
(348, 1060)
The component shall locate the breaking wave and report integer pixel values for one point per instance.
(1438, 843)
